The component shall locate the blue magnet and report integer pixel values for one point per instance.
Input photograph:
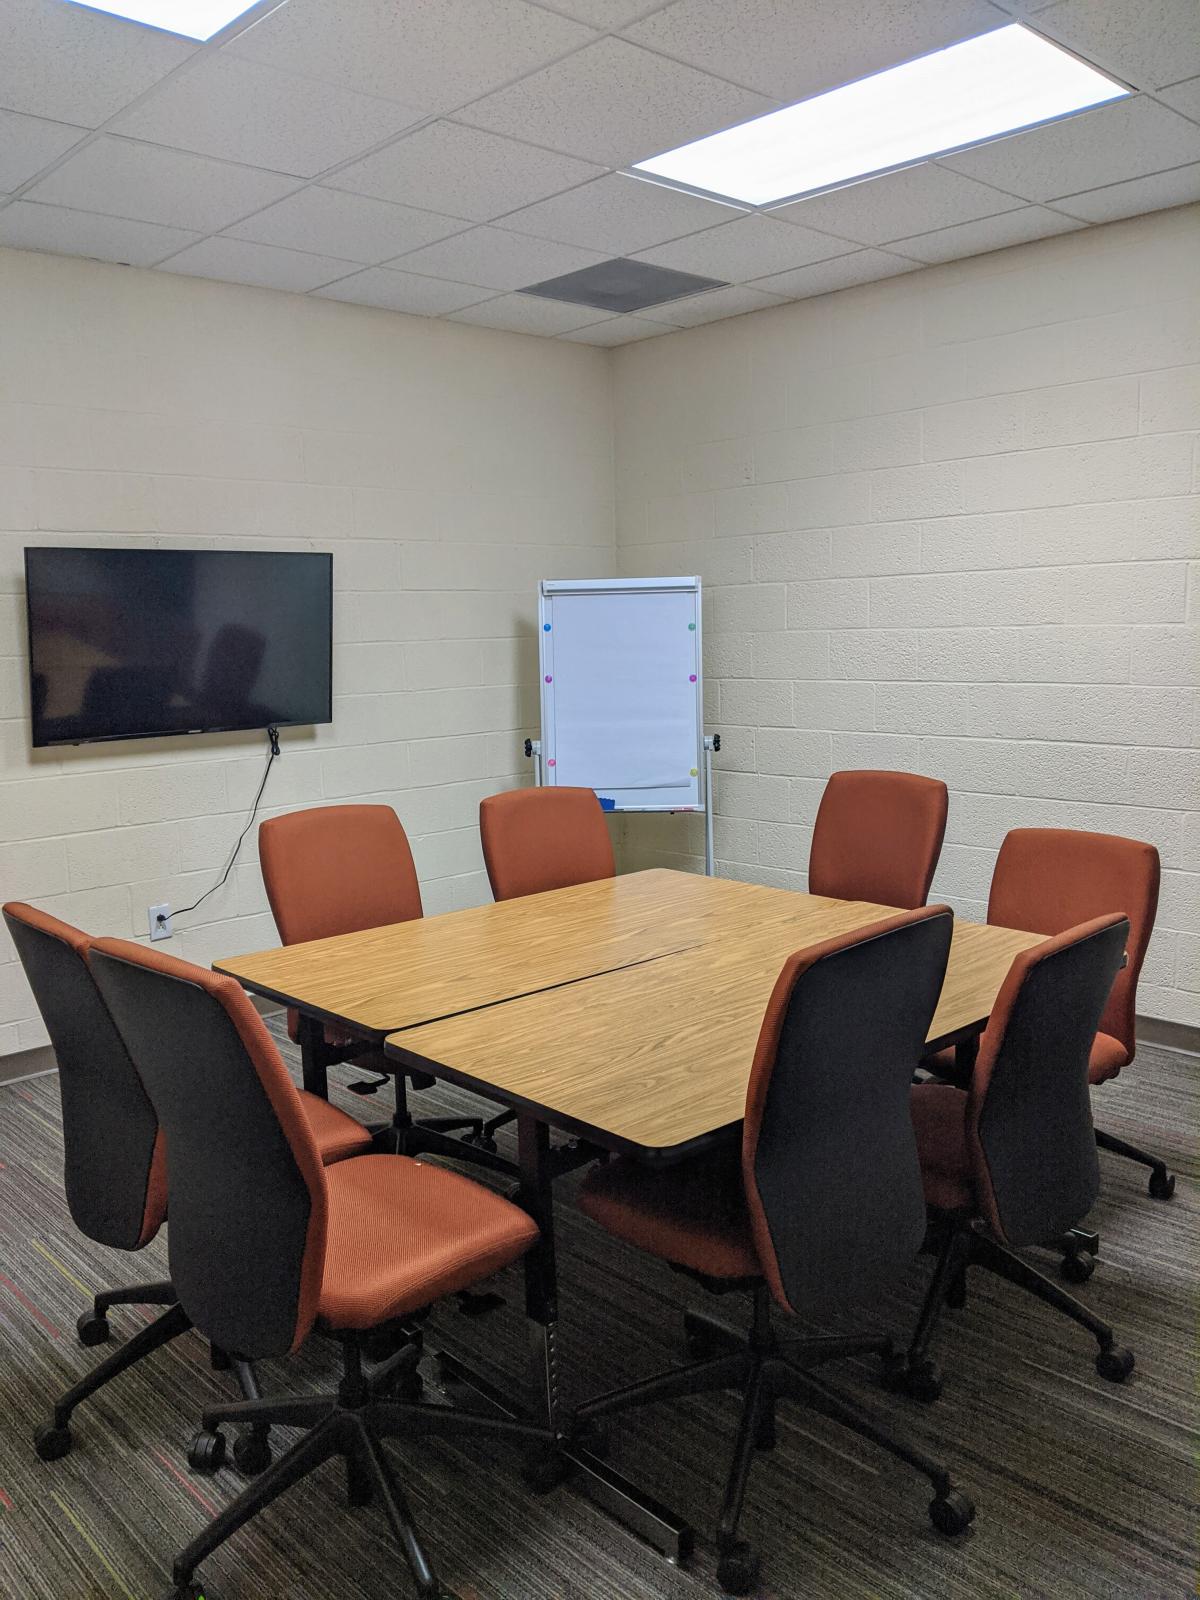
(545, 627)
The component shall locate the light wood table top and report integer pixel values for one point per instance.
(398, 976)
(652, 1058)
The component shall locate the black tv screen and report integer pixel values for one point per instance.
(128, 644)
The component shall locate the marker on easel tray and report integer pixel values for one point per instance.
(606, 804)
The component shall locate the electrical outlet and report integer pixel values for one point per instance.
(159, 918)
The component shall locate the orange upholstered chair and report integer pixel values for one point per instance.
(1049, 879)
(339, 869)
(267, 1245)
(1010, 1160)
(538, 839)
(820, 1208)
(114, 1154)
(877, 837)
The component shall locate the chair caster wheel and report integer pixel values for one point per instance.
(1078, 1268)
(921, 1380)
(252, 1452)
(1162, 1184)
(544, 1469)
(1115, 1363)
(738, 1568)
(92, 1328)
(206, 1453)
(951, 1513)
(52, 1443)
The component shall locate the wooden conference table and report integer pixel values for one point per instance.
(624, 1012)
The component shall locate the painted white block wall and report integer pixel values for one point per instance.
(448, 468)
(947, 522)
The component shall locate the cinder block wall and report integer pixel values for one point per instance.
(448, 468)
(949, 523)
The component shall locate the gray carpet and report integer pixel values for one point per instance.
(1085, 1491)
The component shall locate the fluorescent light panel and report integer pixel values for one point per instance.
(968, 93)
(194, 19)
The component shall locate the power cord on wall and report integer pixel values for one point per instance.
(273, 736)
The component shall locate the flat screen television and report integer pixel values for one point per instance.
(129, 644)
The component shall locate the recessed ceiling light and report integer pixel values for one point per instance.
(970, 92)
(194, 19)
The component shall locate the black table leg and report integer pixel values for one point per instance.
(965, 1052)
(614, 1493)
(311, 1039)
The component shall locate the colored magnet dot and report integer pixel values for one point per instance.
(549, 679)
(552, 762)
(691, 627)
(695, 772)
(691, 677)
(546, 627)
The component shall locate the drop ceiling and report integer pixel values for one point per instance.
(437, 157)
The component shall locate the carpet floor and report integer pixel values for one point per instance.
(1085, 1490)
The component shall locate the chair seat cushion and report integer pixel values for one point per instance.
(403, 1233)
(337, 1134)
(1109, 1055)
(939, 1113)
(692, 1214)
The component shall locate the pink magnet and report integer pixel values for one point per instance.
(549, 679)
(691, 677)
(552, 762)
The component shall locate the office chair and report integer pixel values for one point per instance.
(340, 869)
(820, 1209)
(1011, 1161)
(877, 837)
(267, 1245)
(115, 1157)
(539, 839)
(1048, 879)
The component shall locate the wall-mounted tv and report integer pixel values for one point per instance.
(129, 644)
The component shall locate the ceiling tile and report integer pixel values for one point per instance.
(497, 259)
(26, 226)
(614, 103)
(463, 172)
(27, 144)
(901, 203)
(404, 291)
(605, 14)
(1184, 97)
(434, 54)
(525, 313)
(618, 214)
(263, 265)
(1125, 140)
(349, 226)
(78, 66)
(748, 248)
(715, 304)
(1130, 199)
(992, 233)
(791, 51)
(245, 112)
(1147, 44)
(617, 330)
(843, 272)
(150, 184)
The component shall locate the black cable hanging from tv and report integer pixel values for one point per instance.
(273, 736)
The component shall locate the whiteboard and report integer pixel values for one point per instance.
(622, 690)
